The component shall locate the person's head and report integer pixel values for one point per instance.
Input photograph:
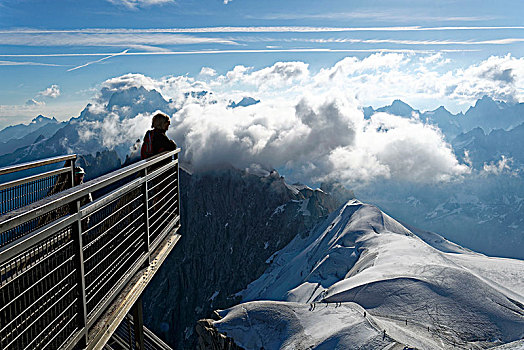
(79, 175)
(161, 121)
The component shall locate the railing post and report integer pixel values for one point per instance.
(138, 324)
(73, 163)
(80, 277)
(146, 215)
(177, 169)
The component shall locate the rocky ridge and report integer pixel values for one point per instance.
(232, 224)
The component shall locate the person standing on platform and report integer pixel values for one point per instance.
(156, 140)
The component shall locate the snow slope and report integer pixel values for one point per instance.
(316, 290)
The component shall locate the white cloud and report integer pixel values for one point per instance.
(498, 77)
(253, 29)
(395, 147)
(208, 71)
(391, 15)
(171, 87)
(310, 124)
(435, 59)
(53, 91)
(18, 63)
(140, 40)
(353, 66)
(380, 78)
(133, 4)
(278, 75)
(497, 168)
(34, 103)
(113, 131)
(164, 52)
(501, 41)
(313, 131)
(316, 138)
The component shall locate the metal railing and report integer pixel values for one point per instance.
(124, 338)
(71, 257)
(28, 188)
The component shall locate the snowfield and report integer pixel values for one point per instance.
(362, 280)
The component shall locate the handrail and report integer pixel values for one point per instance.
(33, 210)
(34, 178)
(21, 186)
(90, 252)
(29, 165)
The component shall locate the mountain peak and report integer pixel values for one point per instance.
(442, 109)
(400, 103)
(485, 101)
(244, 102)
(42, 119)
(399, 108)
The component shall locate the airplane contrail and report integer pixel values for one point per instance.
(201, 52)
(255, 29)
(100, 60)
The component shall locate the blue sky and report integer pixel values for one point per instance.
(54, 55)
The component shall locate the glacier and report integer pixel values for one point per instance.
(360, 279)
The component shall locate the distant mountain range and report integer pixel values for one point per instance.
(487, 114)
(22, 135)
(22, 130)
(485, 210)
(488, 147)
(45, 137)
(66, 138)
(475, 212)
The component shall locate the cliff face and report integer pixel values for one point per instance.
(99, 164)
(209, 338)
(232, 223)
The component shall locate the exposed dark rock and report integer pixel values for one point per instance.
(232, 223)
(210, 339)
(99, 164)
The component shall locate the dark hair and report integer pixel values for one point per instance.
(160, 120)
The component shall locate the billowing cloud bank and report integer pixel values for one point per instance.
(311, 125)
(319, 137)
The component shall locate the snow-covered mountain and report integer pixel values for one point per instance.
(487, 114)
(232, 222)
(447, 122)
(21, 130)
(362, 280)
(98, 128)
(484, 148)
(244, 102)
(21, 135)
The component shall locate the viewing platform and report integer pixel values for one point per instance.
(72, 269)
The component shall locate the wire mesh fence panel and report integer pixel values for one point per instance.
(19, 196)
(34, 224)
(39, 295)
(162, 202)
(113, 241)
